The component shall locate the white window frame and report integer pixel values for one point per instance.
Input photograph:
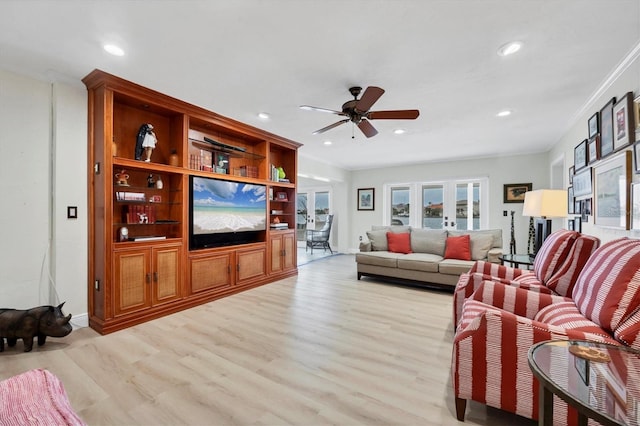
(415, 198)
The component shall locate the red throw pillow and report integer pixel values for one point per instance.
(399, 243)
(458, 248)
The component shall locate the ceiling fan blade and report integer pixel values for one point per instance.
(369, 97)
(329, 127)
(404, 114)
(312, 108)
(367, 128)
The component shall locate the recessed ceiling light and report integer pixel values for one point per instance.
(504, 113)
(263, 115)
(509, 48)
(399, 131)
(113, 49)
(328, 142)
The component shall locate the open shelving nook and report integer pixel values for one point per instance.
(140, 264)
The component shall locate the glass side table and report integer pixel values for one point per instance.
(599, 380)
(516, 260)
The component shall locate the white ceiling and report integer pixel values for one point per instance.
(239, 58)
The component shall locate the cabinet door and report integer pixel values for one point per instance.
(289, 254)
(251, 264)
(166, 274)
(210, 272)
(276, 253)
(131, 280)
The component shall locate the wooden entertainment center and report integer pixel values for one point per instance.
(140, 264)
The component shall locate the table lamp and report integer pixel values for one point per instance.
(544, 204)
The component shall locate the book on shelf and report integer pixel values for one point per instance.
(148, 238)
(281, 225)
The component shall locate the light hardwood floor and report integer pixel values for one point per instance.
(318, 349)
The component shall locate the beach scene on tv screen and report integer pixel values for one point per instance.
(222, 206)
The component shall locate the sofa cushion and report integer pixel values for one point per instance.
(379, 258)
(567, 316)
(458, 248)
(480, 245)
(608, 289)
(399, 243)
(420, 262)
(553, 253)
(378, 240)
(563, 281)
(454, 266)
(432, 241)
(398, 229)
(496, 234)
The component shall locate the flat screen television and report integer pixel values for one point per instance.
(223, 212)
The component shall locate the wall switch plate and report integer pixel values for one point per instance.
(72, 212)
(504, 212)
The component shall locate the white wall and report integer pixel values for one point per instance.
(532, 168)
(623, 80)
(43, 162)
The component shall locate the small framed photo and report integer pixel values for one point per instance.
(636, 112)
(570, 201)
(594, 125)
(572, 171)
(636, 157)
(577, 224)
(582, 184)
(593, 149)
(606, 128)
(366, 198)
(623, 127)
(580, 155)
(282, 196)
(583, 210)
(514, 192)
(571, 225)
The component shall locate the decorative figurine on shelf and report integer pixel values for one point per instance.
(146, 142)
(42, 321)
(150, 182)
(281, 173)
(159, 183)
(122, 178)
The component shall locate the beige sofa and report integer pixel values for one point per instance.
(427, 263)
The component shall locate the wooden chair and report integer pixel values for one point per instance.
(320, 237)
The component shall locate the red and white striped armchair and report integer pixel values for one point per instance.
(499, 324)
(556, 269)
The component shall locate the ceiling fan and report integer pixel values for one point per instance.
(357, 111)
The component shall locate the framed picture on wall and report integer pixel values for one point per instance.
(366, 198)
(514, 192)
(594, 125)
(611, 192)
(582, 184)
(570, 201)
(623, 128)
(593, 149)
(635, 206)
(580, 155)
(606, 128)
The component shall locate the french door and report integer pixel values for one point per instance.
(439, 205)
(313, 206)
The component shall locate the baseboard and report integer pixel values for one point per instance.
(80, 321)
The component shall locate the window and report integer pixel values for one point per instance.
(455, 204)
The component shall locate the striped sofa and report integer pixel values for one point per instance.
(499, 323)
(555, 270)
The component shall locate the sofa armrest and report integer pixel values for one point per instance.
(493, 255)
(365, 246)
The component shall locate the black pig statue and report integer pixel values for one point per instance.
(42, 321)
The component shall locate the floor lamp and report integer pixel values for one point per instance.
(544, 204)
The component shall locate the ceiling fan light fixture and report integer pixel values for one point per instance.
(504, 113)
(509, 48)
(113, 49)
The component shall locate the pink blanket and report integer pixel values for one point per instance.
(36, 397)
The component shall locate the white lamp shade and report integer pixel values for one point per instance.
(545, 203)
